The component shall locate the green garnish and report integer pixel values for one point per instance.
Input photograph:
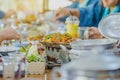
(35, 58)
(48, 36)
(22, 49)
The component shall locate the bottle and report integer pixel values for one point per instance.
(72, 24)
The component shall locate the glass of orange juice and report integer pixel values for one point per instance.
(72, 24)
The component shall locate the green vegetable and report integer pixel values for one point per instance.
(48, 36)
(32, 56)
(22, 49)
(35, 58)
(28, 47)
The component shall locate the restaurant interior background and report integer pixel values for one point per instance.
(42, 43)
(32, 5)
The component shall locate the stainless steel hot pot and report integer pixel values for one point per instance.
(95, 43)
(102, 46)
(90, 68)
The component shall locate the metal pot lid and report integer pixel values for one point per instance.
(110, 26)
(94, 42)
(94, 63)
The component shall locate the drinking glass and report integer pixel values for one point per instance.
(21, 57)
(83, 33)
(11, 68)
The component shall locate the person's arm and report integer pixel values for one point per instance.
(62, 12)
(85, 15)
(8, 34)
(74, 12)
(88, 16)
(9, 13)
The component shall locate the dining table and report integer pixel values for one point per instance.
(45, 76)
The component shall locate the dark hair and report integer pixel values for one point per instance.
(118, 3)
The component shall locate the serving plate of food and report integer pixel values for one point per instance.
(56, 39)
(55, 55)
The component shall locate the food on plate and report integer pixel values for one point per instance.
(29, 18)
(58, 38)
(31, 48)
(34, 34)
(25, 49)
(36, 37)
(33, 52)
(35, 58)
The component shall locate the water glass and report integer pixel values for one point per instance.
(83, 33)
(11, 68)
(21, 57)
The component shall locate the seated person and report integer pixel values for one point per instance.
(83, 4)
(8, 34)
(91, 15)
(49, 15)
(112, 6)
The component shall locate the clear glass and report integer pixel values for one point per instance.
(21, 57)
(22, 30)
(83, 33)
(11, 68)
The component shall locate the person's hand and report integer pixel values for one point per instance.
(94, 33)
(61, 12)
(9, 13)
(9, 34)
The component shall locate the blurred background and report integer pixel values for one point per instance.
(32, 5)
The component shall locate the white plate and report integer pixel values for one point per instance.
(8, 49)
(110, 26)
(18, 44)
(92, 42)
